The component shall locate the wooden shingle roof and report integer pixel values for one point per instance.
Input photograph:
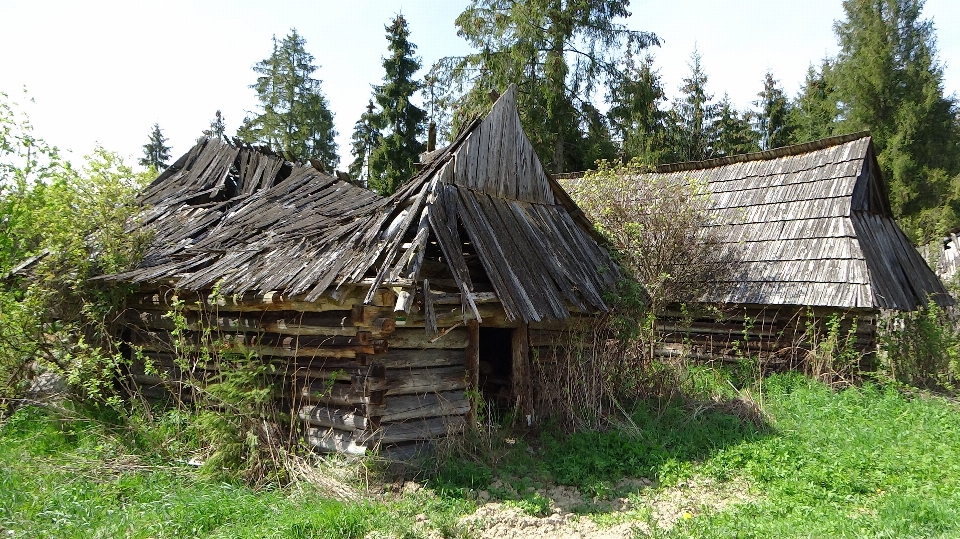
(812, 226)
(246, 221)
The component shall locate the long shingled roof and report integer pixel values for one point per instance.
(812, 226)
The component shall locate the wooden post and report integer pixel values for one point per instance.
(520, 373)
(473, 370)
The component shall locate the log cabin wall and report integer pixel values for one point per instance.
(779, 337)
(357, 377)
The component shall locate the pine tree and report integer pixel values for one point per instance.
(400, 122)
(636, 119)
(218, 127)
(813, 113)
(365, 138)
(557, 52)
(731, 132)
(156, 152)
(888, 80)
(772, 117)
(691, 118)
(295, 120)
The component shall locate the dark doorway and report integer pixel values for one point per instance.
(496, 366)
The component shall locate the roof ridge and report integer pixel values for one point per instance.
(765, 155)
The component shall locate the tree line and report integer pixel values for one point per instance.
(565, 56)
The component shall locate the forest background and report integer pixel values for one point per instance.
(117, 76)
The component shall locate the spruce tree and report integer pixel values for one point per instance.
(365, 138)
(294, 120)
(772, 117)
(691, 118)
(558, 53)
(888, 80)
(218, 127)
(731, 132)
(399, 122)
(813, 113)
(155, 152)
(636, 119)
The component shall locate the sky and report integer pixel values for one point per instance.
(104, 72)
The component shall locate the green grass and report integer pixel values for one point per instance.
(862, 462)
(68, 479)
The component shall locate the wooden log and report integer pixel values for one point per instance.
(394, 382)
(405, 407)
(331, 323)
(261, 345)
(393, 359)
(455, 299)
(435, 357)
(473, 369)
(367, 316)
(328, 440)
(269, 301)
(335, 394)
(337, 418)
(432, 380)
(417, 339)
(417, 429)
(491, 313)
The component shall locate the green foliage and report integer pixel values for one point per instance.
(692, 116)
(295, 120)
(557, 53)
(921, 348)
(218, 127)
(635, 117)
(867, 461)
(68, 476)
(656, 229)
(366, 136)
(399, 122)
(834, 356)
(772, 115)
(731, 132)
(156, 153)
(814, 112)
(63, 226)
(888, 80)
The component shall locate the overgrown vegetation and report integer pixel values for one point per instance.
(61, 226)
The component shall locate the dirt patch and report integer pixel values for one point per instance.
(574, 516)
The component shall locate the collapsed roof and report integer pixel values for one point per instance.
(481, 214)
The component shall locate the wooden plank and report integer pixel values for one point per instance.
(415, 338)
(338, 323)
(473, 370)
(436, 357)
(520, 371)
(403, 407)
(425, 380)
(417, 429)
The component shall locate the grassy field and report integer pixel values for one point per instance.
(861, 462)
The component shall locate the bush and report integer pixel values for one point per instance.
(61, 226)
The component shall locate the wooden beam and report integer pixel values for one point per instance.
(520, 375)
(473, 370)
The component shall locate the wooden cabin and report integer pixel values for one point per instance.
(813, 237)
(382, 316)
